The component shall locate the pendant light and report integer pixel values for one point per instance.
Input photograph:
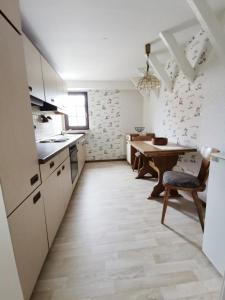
(148, 81)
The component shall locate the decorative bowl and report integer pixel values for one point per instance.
(139, 129)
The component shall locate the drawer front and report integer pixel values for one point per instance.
(49, 167)
(63, 155)
(29, 238)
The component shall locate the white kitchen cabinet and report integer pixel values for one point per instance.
(19, 169)
(50, 82)
(34, 71)
(66, 183)
(11, 10)
(214, 233)
(29, 238)
(52, 192)
(81, 154)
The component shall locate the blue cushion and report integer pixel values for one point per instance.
(180, 179)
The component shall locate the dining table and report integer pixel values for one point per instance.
(156, 160)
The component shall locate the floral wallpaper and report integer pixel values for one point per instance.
(182, 107)
(104, 139)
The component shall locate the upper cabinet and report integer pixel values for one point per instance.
(19, 169)
(50, 82)
(10, 9)
(34, 71)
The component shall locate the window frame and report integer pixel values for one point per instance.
(85, 94)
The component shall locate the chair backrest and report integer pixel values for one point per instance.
(204, 169)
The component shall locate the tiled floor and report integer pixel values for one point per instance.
(111, 245)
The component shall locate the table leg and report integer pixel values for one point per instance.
(163, 164)
(146, 168)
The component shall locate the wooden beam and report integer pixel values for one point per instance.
(178, 53)
(158, 68)
(210, 23)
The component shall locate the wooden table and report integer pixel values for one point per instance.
(157, 160)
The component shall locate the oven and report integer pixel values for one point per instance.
(73, 161)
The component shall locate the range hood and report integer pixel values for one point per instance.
(45, 106)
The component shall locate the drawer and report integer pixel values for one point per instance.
(63, 155)
(49, 167)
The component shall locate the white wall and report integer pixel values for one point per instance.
(10, 288)
(49, 129)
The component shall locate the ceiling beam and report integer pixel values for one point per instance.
(210, 23)
(178, 54)
(158, 68)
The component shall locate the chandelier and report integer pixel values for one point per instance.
(148, 81)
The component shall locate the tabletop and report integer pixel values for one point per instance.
(148, 149)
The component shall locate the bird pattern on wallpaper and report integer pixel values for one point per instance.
(182, 107)
(104, 139)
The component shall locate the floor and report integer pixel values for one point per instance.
(111, 244)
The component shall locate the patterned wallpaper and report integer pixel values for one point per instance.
(182, 107)
(104, 139)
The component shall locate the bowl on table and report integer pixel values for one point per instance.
(139, 129)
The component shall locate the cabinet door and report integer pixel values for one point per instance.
(66, 182)
(52, 191)
(29, 238)
(34, 71)
(11, 10)
(50, 82)
(19, 169)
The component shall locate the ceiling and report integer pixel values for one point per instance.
(100, 39)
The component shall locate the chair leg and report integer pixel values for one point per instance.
(165, 203)
(198, 205)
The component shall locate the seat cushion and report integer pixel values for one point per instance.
(180, 179)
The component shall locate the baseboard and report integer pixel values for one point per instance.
(106, 160)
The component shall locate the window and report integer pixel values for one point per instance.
(77, 109)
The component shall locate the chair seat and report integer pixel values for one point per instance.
(179, 179)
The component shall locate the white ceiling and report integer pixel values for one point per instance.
(100, 39)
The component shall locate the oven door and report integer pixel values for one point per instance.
(73, 162)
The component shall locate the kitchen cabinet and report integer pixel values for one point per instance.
(34, 71)
(57, 190)
(66, 183)
(81, 154)
(213, 238)
(12, 11)
(19, 169)
(53, 203)
(29, 238)
(50, 82)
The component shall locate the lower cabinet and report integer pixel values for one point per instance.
(81, 147)
(57, 190)
(29, 238)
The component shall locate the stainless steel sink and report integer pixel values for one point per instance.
(55, 140)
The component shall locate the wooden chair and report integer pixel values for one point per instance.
(182, 181)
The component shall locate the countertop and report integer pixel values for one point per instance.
(47, 150)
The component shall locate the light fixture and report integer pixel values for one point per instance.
(148, 81)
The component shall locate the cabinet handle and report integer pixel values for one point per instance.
(52, 164)
(30, 88)
(37, 197)
(34, 179)
(63, 167)
(58, 173)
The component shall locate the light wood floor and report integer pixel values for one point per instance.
(111, 245)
